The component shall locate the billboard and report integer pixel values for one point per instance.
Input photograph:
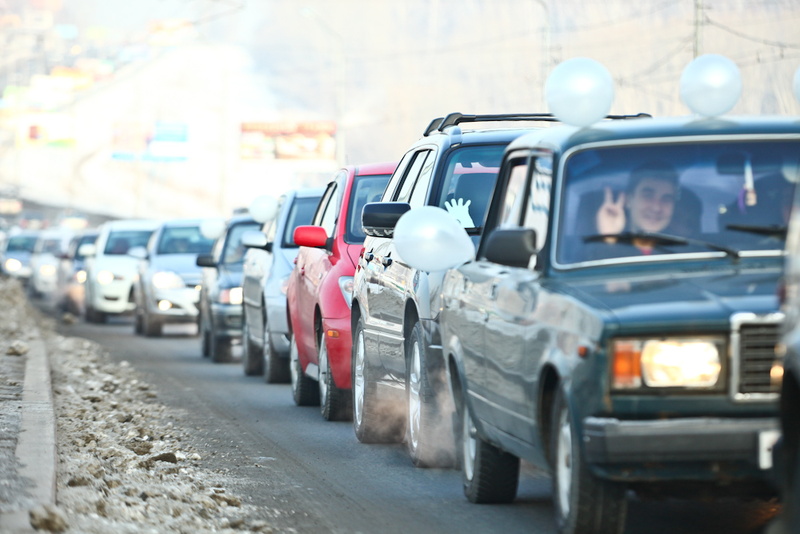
(288, 140)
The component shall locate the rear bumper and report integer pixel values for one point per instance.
(338, 338)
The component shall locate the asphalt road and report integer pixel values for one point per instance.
(319, 478)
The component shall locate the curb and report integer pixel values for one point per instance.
(36, 443)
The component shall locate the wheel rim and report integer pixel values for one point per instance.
(414, 405)
(358, 380)
(323, 372)
(468, 444)
(564, 462)
(294, 367)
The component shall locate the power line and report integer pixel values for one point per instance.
(750, 37)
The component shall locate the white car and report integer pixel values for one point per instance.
(110, 271)
(50, 247)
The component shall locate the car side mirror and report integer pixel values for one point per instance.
(380, 218)
(311, 236)
(256, 239)
(511, 246)
(205, 260)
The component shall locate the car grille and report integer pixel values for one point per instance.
(753, 345)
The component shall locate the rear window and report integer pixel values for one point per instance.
(183, 240)
(121, 241)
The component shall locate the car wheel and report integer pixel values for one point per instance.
(276, 369)
(304, 391)
(334, 402)
(138, 328)
(583, 502)
(152, 326)
(94, 316)
(205, 337)
(429, 435)
(489, 475)
(220, 347)
(370, 423)
(253, 360)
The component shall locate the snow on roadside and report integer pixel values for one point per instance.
(124, 462)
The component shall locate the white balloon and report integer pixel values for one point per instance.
(212, 228)
(796, 84)
(579, 91)
(263, 208)
(711, 85)
(430, 239)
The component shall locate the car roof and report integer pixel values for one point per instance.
(562, 137)
(367, 169)
(306, 192)
(132, 224)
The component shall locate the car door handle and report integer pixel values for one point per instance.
(369, 256)
(386, 261)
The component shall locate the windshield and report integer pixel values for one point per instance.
(633, 201)
(365, 189)
(183, 240)
(21, 244)
(121, 241)
(469, 180)
(234, 249)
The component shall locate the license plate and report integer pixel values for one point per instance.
(766, 440)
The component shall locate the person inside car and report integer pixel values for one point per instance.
(646, 206)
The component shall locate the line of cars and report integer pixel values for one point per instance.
(601, 298)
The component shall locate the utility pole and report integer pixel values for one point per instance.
(698, 27)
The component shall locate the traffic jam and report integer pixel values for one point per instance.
(612, 299)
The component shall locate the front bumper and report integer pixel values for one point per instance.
(113, 298)
(609, 441)
(183, 305)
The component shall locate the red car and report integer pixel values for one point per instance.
(320, 288)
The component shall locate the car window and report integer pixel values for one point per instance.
(119, 242)
(301, 212)
(21, 244)
(83, 240)
(234, 249)
(420, 193)
(733, 194)
(183, 240)
(468, 182)
(411, 176)
(365, 189)
(326, 214)
(391, 188)
(514, 194)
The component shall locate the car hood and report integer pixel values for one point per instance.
(123, 265)
(688, 298)
(185, 265)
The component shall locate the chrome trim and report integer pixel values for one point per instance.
(737, 320)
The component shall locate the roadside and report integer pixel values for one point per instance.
(123, 462)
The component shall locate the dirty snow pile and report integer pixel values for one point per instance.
(124, 463)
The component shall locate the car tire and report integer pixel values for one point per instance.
(138, 328)
(152, 326)
(429, 436)
(94, 316)
(304, 390)
(583, 503)
(334, 402)
(205, 337)
(253, 361)
(489, 475)
(221, 348)
(276, 368)
(370, 423)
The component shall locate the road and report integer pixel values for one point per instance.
(318, 476)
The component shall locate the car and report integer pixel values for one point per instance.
(72, 273)
(50, 246)
(221, 290)
(786, 372)
(167, 288)
(319, 290)
(397, 369)
(267, 263)
(616, 325)
(110, 271)
(16, 257)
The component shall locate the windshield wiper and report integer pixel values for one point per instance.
(771, 231)
(662, 239)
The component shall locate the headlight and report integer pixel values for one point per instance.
(80, 276)
(105, 277)
(663, 363)
(346, 285)
(13, 265)
(167, 280)
(47, 270)
(231, 296)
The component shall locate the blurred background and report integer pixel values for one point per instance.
(191, 108)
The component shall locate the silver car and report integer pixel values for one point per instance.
(167, 289)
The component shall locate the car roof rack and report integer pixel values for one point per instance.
(440, 123)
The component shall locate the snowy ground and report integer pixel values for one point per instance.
(124, 461)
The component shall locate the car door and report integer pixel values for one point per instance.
(513, 299)
(396, 275)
